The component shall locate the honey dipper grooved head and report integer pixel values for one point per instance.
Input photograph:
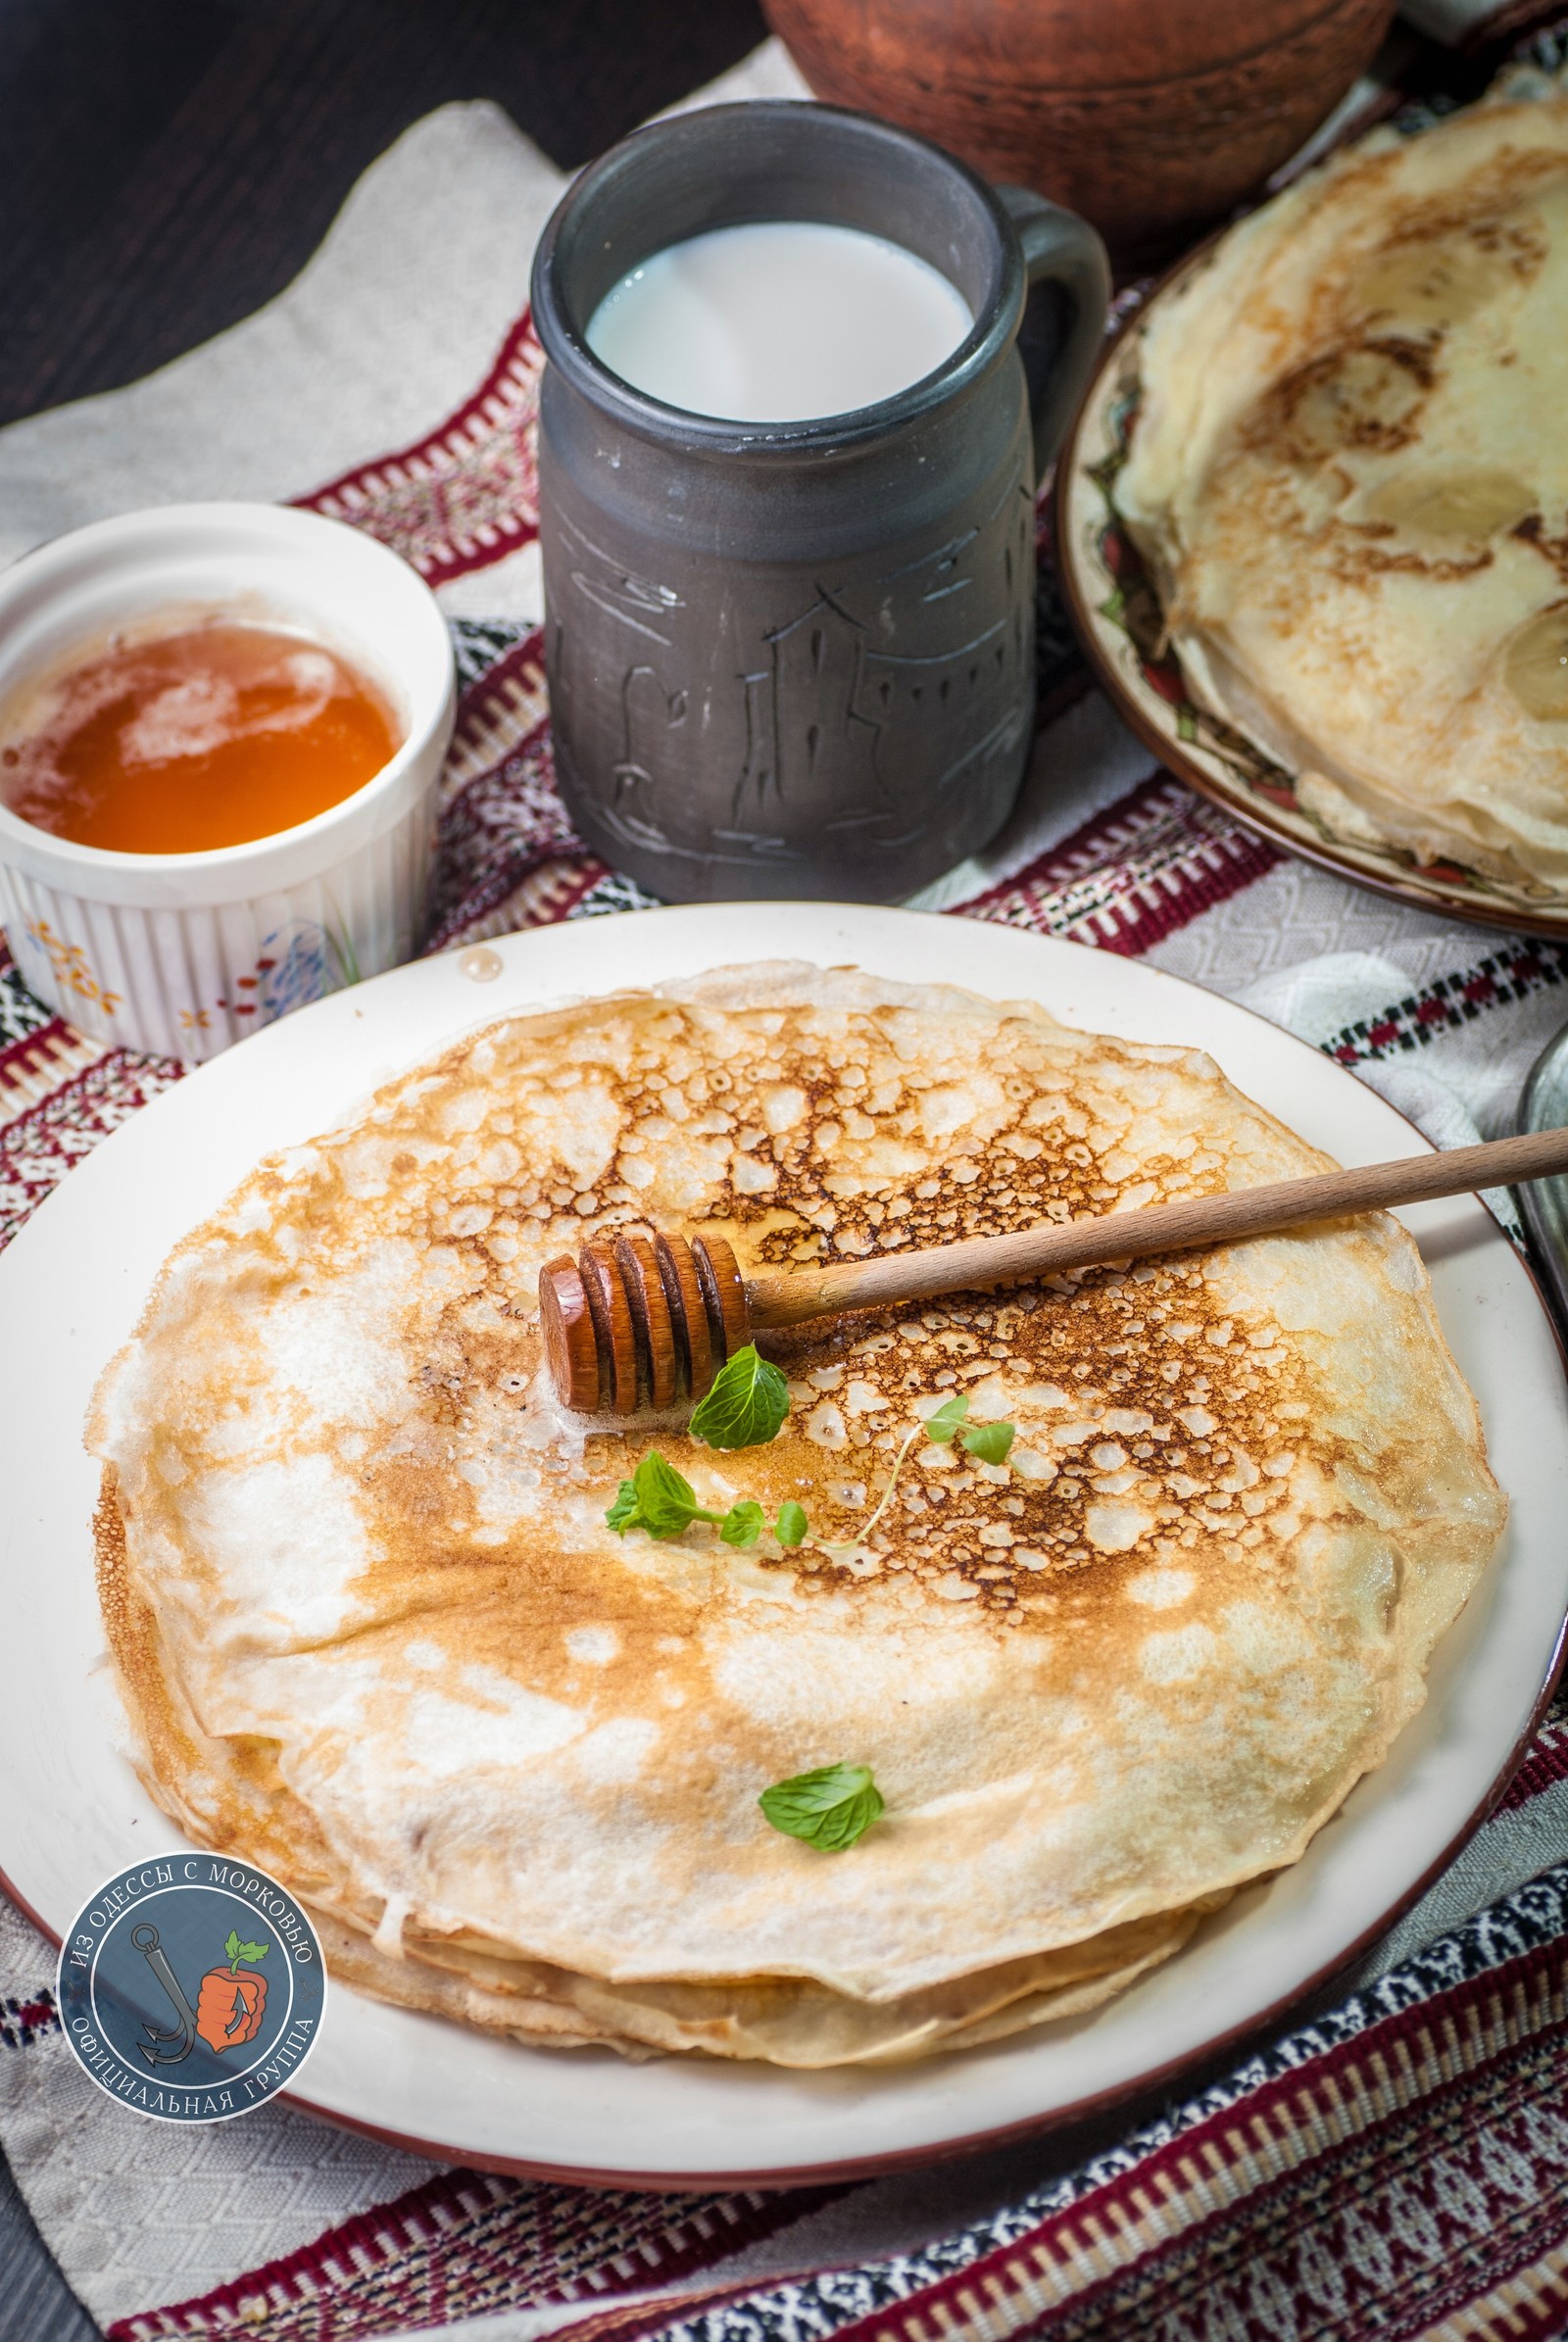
(639, 1320)
(572, 1348)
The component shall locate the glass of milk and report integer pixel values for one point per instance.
(787, 462)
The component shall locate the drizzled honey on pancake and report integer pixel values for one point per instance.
(377, 1633)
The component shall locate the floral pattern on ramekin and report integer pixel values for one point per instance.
(71, 969)
(187, 982)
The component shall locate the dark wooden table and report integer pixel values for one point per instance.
(166, 165)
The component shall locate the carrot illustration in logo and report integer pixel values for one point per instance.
(229, 2005)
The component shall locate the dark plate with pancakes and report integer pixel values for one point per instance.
(1311, 519)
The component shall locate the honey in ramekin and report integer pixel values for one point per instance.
(209, 735)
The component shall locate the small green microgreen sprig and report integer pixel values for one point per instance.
(663, 1501)
(829, 1809)
(988, 1441)
(747, 1404)
(792, 1526)
(942, 1425)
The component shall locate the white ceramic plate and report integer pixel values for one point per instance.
(72, 1286)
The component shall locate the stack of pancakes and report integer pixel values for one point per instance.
(375, 1632)
(1350, 478)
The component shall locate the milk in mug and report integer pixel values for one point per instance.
(777, 321)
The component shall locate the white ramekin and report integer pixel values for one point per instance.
(181, 953)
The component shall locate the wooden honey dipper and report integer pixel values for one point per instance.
(645, 1320)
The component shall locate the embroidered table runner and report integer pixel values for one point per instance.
(1397, 2165)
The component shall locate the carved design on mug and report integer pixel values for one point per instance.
(911, 725)
(649, 715)
(811, 685)
(634, 601)
(940, 570)
(886, 700)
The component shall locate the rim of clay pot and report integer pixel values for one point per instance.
(725, 166)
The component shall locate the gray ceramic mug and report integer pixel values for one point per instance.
(798, 659)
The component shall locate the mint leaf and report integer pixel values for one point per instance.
(661, 1501)
(667, 1501)
(990, 1442)
(944, 1424)
(791, 1524)
(742, 1524)
(624, 1512)
(747, 1404)
(830, 1808)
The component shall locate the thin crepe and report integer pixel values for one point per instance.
(1350, 478)
(375, 1633)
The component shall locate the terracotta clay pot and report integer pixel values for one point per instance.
(1151, 118)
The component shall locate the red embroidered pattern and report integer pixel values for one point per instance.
(39, 1145)
(24, 2022)
(1393, 2187)
(467, 2244)
(501, 818)
(1132, 875)
(467, 494)
(1509, 974)
(1544, 1766)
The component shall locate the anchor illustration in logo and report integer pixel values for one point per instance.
(229, 2005)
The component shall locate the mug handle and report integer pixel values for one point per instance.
(1059, 248)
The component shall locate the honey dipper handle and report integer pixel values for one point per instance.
(1049, 1249)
